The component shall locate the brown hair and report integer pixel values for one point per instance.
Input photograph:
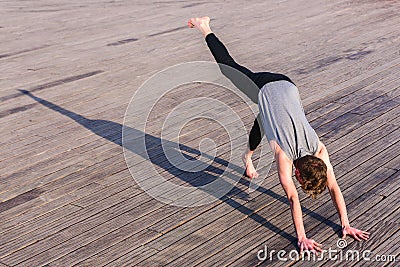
(313, 172)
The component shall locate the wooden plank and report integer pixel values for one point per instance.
(10, 190)
(350, 82)
(83, 202)
(114, 202)
(383, 233)
(350, 103)
(357, 150)
(374, 211)
(362, 132)
(38, 222)
(75, 103)
(322, 233)
(129, 259)
(374, 204)
(123, 245)
(244, 227)
(349, 64)
(39, 207)
(90, 241)
(241, 242)
(350, 121)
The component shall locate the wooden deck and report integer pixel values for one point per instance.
(67, 197)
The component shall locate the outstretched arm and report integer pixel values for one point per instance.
(285, 177)
(338, 200)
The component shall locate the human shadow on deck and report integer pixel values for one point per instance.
(112, 131)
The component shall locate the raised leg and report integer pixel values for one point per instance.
(222, 56)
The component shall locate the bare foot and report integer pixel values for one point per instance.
(250, 170)
(202, 24)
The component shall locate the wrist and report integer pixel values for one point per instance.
(345, 222)
(301, 238)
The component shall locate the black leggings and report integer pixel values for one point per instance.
(222, 56)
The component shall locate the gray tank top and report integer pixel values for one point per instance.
(284, 120)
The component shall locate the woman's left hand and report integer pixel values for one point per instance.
(355, 233)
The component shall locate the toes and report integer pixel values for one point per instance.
(253, 175)
(190, 23)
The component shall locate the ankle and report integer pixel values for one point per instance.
(206, 31)
(247, 155)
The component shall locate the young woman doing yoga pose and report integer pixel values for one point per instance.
(290, 135)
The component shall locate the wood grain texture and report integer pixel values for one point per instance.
(69, 69)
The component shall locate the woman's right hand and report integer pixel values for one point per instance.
(309, 244)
